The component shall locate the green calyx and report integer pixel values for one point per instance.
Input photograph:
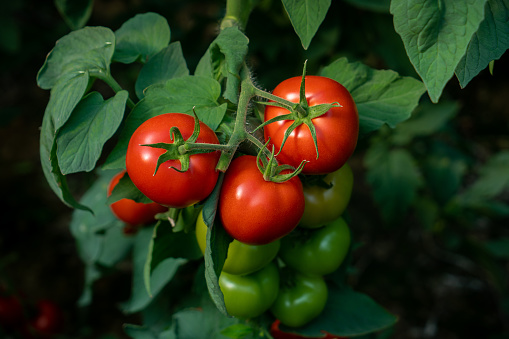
(179, 149)
(300, 113)
(272, 171)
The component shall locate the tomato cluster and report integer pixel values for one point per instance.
(287, 204)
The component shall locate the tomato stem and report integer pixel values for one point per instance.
(237, 13)
(110, 81)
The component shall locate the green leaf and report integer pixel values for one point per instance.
(427, 119)
(306, 16)
(141, 37)
(167, 64)
(489, 42)
(394, 178)
(436, 35)
(165, 244)
(92, 274)
(64, 97)
(493, 179)
(225, 59)
(178, 95)
(93, 122)
(499, 248)
(381, 96)
(75, 12)
(126, 189)
(347, 313)
(381, 6)
(164, 272)
(88, 49)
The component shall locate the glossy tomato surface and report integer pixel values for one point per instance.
(255, 211)
(337, 130)
(168, 186)
(301, 298)
(326, 204)
(248, 296)
(241, 258)
(318, 251)
(132, 212)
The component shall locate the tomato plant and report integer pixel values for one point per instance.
(336, 130)
(248, 296)
(241, 258)
(301, 298)
(131, 212)
(255, 211)
(318, 251)
(327, 200)
(169, 186)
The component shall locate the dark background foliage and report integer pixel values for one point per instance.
(437, 279)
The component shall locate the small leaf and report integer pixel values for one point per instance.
(166, 244)
(87, 49)
(436, 35)
(394, 178)
(348, 314)
(306, 16)
(489, 42)
(178, 95)
(75, 12)
(141, 37)
(224, 59)
(164, 272)
(237, 331)
(126, 189)
(167, 64)
(381, 96)
(93, 122)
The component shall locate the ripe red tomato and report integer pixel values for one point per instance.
(11, 311)
(255, 211)
(168, 186)
(278, 334)
(132, 212)
(49, 320)
(336, 131)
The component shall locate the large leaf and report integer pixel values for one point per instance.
(167, 64)
(394, 178)
(347, 313)
(178, 95)
(381, 96)
(64, 97)
(141, 37)
(489, 42)
(75, 12)
(224, 59)
(88, 49)
(436, 35)
(306, 16)
(93, 122)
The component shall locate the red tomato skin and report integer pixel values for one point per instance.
(132, 212)
(49, 320)
(337, 130)
(255, 211)
(278, 334)
(169, 187)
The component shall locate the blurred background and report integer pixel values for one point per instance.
(434, 251)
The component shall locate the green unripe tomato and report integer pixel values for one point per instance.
(317, 251)
(323, 205)
(301, 298)
(241, 258)
(248, 296)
